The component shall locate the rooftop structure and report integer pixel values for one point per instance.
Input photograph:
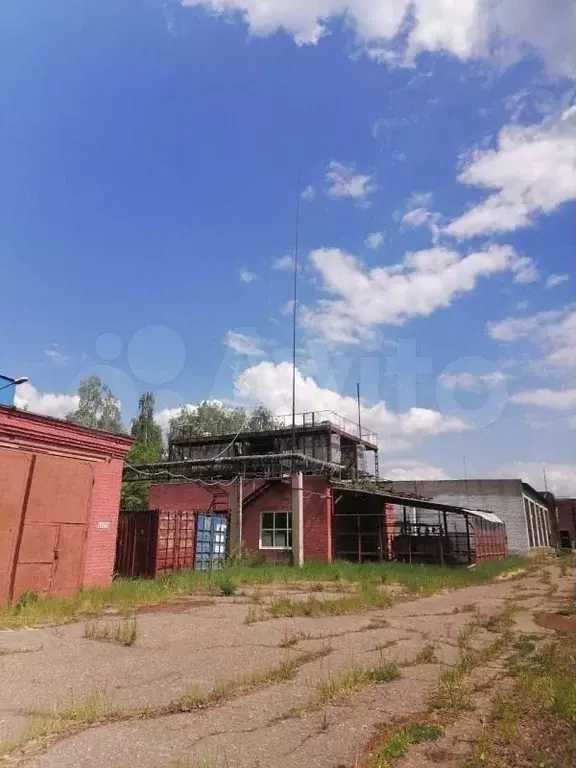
(323, 439)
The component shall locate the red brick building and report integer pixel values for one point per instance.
(266, 525)
(566, 522)
(59, 501)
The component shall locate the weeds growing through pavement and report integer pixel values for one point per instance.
(541, 705)
(227, 587)
(398, 744)
(96, 707)
(289, 640)
(342, 684)
(125, 595)
(122, 632)
(426, 655)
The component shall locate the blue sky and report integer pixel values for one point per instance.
(152, 154)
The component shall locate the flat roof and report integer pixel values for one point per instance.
(182, 439)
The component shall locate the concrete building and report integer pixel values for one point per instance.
(529, 516)
(323, 436)
(59, 502)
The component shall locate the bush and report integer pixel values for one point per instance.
(227, 587)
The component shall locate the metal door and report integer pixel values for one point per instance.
(211, 541)
(50, 559)
(49, 550)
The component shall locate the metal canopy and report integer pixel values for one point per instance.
(414, 501)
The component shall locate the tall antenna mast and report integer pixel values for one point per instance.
(295, 316)
(545, 479)
(359, 410)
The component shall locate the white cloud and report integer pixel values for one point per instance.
(308, 193)
(424, 282)
(45, 403)
(560, 478)
(554, 399)
(411, 469)
(398, 30)
(532, 170)
(246, 276)
(422, 217)
(472, 382)
(554, 280)
(243, 344)
(271, 384)
(343, 181)
(374, 240)
(284, 262)
(553, 332)
(55, 354)
(287, 308)
(419, 200)
(164, 416)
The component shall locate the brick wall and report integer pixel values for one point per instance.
(179, 496)
(191, 495)
(567, 517)
(317, 520)
(103, 523)
(29, 434)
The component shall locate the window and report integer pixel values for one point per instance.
(276, 530)
(528, 522)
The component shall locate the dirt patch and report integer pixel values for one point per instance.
(179, 606)
(556, 621)
(552, 743)
(511, 575)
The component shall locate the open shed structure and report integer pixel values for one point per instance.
(294, 507)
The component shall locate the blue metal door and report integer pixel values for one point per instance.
(211, 536)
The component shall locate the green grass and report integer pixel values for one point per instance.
(125, 595)
(96, 707)
(453, 694)
(399, 743)
(426, 654)
(123, 632)
(342, 684)
(339, 606)
(543, 698)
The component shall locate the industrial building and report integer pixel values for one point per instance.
(59, 502)
(316, 503)
(529, 515)
(566, 522)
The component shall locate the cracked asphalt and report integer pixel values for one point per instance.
(207, 644)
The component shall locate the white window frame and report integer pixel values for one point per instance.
(288, 529)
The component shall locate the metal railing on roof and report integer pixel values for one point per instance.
(284, 421)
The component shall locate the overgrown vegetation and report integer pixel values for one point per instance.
(539, 710)
(453, 694)
(342, 684)
(426, 655)
(123, 632)
(397, 745)
(127, 594)
(96, 707)
(228, 587)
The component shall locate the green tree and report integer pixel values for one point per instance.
(210, 418)
(97, 406)
(145, 430)
(148, 447)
